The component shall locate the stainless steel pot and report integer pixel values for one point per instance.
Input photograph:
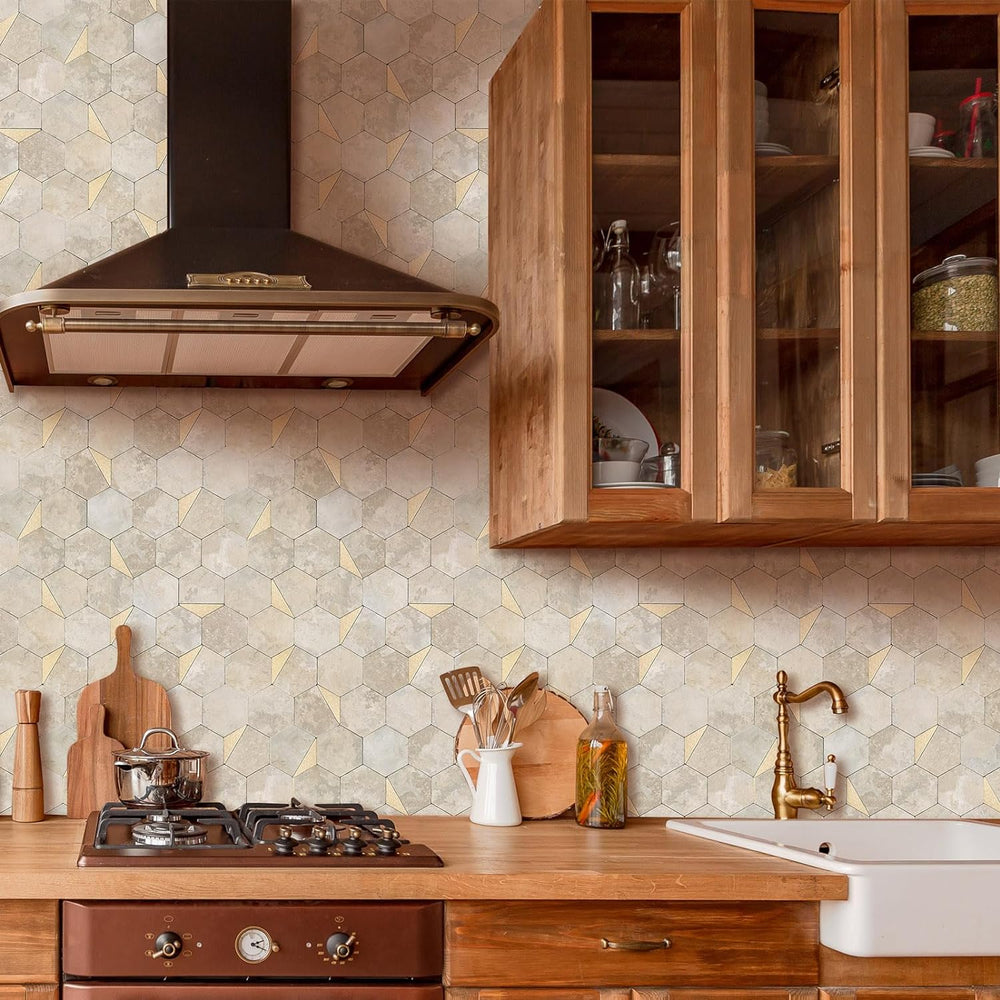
(168, 778)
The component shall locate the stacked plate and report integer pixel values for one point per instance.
(950, 475)
(932, 152)
(771, 149)
(988, 471)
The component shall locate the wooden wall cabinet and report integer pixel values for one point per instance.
(770, 138)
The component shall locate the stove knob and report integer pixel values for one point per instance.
(168, 945)
(340, 947)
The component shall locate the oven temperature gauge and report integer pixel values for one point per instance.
(254, 944)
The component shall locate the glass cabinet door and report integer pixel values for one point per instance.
(800, 186)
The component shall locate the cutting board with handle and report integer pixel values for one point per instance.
(545, 765)
(133, 703)
(90, 778)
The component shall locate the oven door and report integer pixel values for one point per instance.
(96, 990)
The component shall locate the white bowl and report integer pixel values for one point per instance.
(921, 129)
(606, 473)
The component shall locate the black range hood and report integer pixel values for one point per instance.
(229, 295)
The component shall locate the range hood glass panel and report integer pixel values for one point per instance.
(231, 354)
(105, 353)
(357, 357)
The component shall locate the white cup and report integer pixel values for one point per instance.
(607, 473)
(921, 129)
(988, 471)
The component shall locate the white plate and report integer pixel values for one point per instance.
(932, 153)
(624, 418)
(771, 149)
(633, 486)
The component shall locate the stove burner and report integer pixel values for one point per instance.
(298, 814)
(164, 830)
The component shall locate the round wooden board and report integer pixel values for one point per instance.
(545, 766)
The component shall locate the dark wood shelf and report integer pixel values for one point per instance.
(782, 182)
(769, 334)
(953, 337)
(945, 191)
(622, 336)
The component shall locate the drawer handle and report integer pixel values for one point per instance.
(663, 943)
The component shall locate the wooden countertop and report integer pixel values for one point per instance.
(552, 859)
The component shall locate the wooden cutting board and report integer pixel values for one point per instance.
(90, 778)
(545, 765)
(133, 703)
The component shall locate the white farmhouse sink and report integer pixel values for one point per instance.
(915, 886)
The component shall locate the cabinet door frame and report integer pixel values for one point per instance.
(897, 500)
(855, 500)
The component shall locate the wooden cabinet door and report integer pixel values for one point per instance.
(797, 285)
(33, 992)
(938, 362)
(29, 932)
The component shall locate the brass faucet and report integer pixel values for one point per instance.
(786, 798)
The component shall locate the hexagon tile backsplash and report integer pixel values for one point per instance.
(298, 568)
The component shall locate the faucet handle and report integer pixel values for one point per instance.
(830, 774)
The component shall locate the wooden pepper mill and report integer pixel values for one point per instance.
(27, 805)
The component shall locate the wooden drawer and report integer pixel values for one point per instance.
(47, 992)
(718, 944)
(29, 941)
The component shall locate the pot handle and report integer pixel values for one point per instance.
(165, 732)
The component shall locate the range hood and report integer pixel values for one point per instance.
(229, 295)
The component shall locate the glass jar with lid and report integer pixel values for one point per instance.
(776, 464)
(958, 294)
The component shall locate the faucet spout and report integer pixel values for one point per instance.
(837, 698)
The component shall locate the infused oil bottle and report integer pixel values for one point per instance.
(601, 768)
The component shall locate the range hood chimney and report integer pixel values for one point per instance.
(228, 295)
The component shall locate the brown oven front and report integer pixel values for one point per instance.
(248, 991)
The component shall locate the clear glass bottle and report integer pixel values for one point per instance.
(602, 768)
(979, 124)
(616, 284)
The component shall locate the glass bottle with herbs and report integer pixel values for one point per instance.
(602, 768)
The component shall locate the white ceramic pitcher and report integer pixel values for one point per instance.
(494, 794)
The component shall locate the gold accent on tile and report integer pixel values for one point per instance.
(50, 423)
(347, 622)
(968, 601)
(415, 662)
(969, 662)
(414, 504)
(691, 741)
(161, 82)
(185, 504)
(891, 610)
(229, 742)
(95, 187)
(148, 224)
(765, 764)
(35, 281)
(161, 152)
(647, 660)
(49, 602)
(462, 29)
(5, 737)
(577, 562)
(201, 610)
(484, 533)
(415, 265)
(186, 661)
(49, 660)
(380, 226)
(875, 662)
(311, 46)
(5, 25)
(739, 661)
(308, 760)
(807, 621)
(278, 662)
(475, 134)
(278, 424)
(508, 600)
(990, 797)
(33, 523)
(326, 126)
(186, 425)
(393, 801)
(332, 700)
(431, 610)
(921, 741)
(118, 561)
(853, 799)
(807, 562)
(332, 463)
(5, 183)
(326, 186)
(263, 522)
(737, 599)
(462, 187)
(393, 147)
(662, 610)
(95, 125)
(103, 463)
(347, 561)
(19, 134)
(393, 85)
(508, 662)
(577, 622)
(121, 618)
(278, 600)
(415, 423)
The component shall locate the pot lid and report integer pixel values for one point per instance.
(956, 264)
(140, 754)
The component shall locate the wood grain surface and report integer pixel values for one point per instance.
(27, 795)
(29, 931)
(133, 703)
(545, 765)
(90, 778)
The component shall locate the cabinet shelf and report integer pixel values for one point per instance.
(782, 182)
(954, 337)
(943, 192)
(772, 334)
(620, 336)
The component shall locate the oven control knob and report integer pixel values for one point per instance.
(340, 947)
(168, 945)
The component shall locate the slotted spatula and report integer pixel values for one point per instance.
(461, 686)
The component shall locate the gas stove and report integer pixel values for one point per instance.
(258, 834)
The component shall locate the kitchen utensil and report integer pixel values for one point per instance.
(960, 293)
(27, 801)
(494, 793)
(517, 698)
(491, 716)
(90, 772)
(134, 704)
(921, 129)
(461, 686)
(623, 418)
(545, 766)
(534, 706)
(664, 468)
(605, 473)
(168, 779)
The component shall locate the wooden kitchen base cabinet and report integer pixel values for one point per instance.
(29, 953)
(36, 991)
(629, 994)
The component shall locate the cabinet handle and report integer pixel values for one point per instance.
(635, 945)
